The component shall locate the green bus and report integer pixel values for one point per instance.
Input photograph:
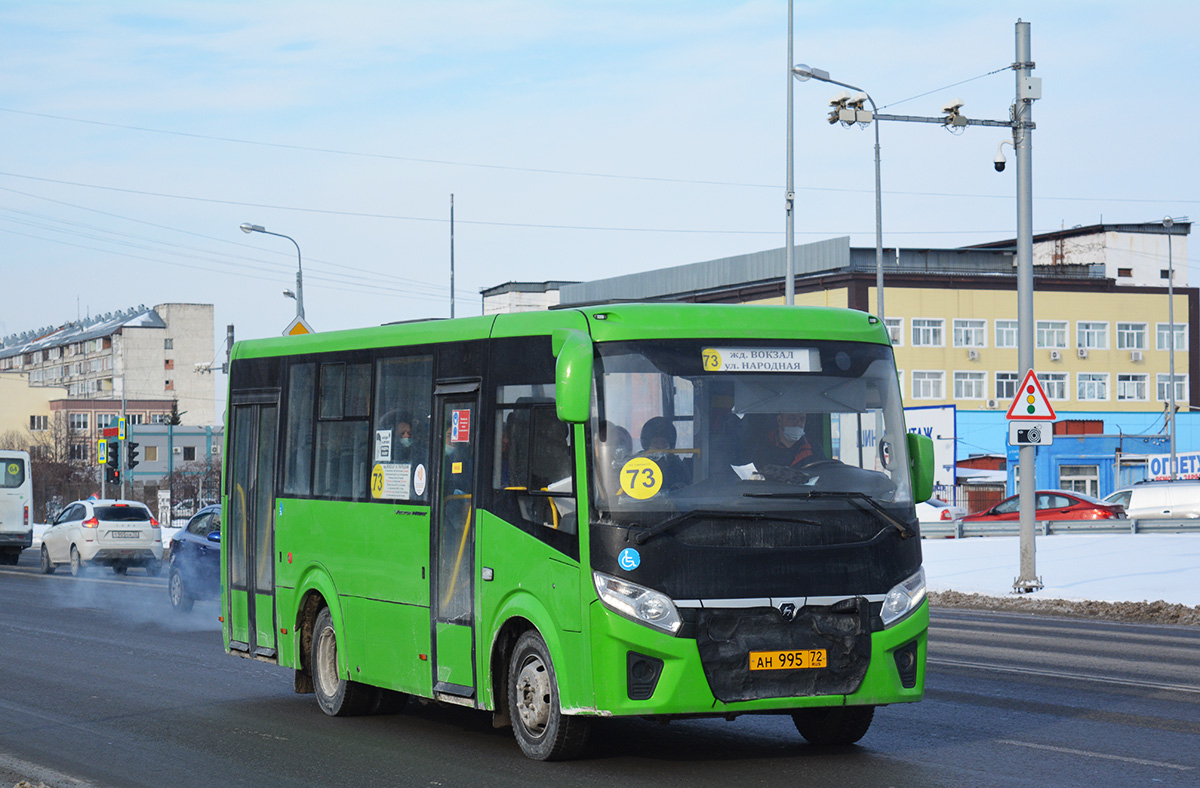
(659, 510)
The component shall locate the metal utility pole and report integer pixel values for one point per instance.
(789, 281)
(452, 255)
(122, 456)
(1027, 91)
(1168, 223)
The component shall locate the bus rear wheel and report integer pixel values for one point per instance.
(336, 696)
(834, 725)
(541, 729)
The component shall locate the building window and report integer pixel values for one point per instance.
(189, 453)
(970, 333)
(78, 452)
(1080, 478)
(1091, 335)
(1054, 384)
(160, 418)
(1052, 333)
(1163, 394)
(1164, 273)
(136, 418)
(1131, 336)
(168, 344)
(1162, 333)
(169, 364)
(928, 384)
(1006, 385)
(1006, 333)
(1124, 272)
(970, 385)
(895, 329)
(39, 423)
(1131, 388)
(1091, 386)
(928, 332)
(77, 422)
(169, 385)
(151, 454)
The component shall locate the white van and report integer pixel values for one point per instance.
(1165, 500)
(16, 506)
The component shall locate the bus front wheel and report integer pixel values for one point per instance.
(834, 725)
(541, 729)
(336, 696)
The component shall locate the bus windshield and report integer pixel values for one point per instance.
(748, 428)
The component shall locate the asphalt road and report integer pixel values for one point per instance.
(100, 684)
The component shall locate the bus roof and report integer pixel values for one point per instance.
(606, 323)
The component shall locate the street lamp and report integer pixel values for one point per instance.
(848, 110)
(1168, 223)
(299, 294)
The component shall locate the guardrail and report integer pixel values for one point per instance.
(957, 529)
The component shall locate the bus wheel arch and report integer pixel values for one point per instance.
(337, 696)
(502, 648)
(541, 729)
(306, 620)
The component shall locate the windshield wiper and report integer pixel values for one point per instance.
(846, 495)
(648, 533)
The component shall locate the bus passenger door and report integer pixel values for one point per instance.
(249, 527)
(454, 544)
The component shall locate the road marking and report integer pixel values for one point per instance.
(1106, 756)
(1063, 675)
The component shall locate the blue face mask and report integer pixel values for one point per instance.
(406, 442)
(793, 434)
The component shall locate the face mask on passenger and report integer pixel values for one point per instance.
(793, 434)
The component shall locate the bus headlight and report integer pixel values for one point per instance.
(904, 598)
(643, 605)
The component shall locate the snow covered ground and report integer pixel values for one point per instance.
(1106, 568)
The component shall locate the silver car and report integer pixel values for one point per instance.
(113, 533)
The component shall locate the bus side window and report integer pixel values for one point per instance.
(342, 441)
(533, 475)
(298, 441)
(403, 407)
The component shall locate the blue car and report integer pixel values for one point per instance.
(196, 560)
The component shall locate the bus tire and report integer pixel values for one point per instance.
(77, 567)
(336, 696)
(834, 725)
(47, 564)
(541, 729)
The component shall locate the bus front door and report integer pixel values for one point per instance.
(248, 529)
(454, 545)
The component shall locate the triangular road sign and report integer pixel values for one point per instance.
(1031, 403)
(297, 327)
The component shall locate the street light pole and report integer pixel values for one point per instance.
(789, 282)
(258, 228)
(1168, 223)
(805, 73)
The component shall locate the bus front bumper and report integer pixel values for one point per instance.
(641, 671)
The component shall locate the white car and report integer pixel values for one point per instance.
(113, 533)
(936, 509)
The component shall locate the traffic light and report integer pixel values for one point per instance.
(112, 475)
(131, 459)
(113, 455)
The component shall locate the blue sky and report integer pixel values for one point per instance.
(580, 140)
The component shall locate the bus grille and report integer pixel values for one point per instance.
(726, 637)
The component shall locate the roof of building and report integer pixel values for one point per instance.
(526, 287)
(104, 325)
(1181, 227)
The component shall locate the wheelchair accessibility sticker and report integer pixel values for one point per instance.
(629, 559)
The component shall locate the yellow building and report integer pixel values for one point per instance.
(26, 412)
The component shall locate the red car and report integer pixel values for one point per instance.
(1051, 505)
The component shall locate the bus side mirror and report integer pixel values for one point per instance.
(572, 374)
(920, 466)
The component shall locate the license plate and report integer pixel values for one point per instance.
(786, 660)
(125, 534)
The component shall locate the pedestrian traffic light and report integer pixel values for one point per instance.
(131, 458)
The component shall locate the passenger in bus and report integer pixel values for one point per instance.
(403, 449)
(613, 445)
(784, 443)
(658, 439)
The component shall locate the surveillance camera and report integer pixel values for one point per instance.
(952, 107)
(840, 99)
(999, 161)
